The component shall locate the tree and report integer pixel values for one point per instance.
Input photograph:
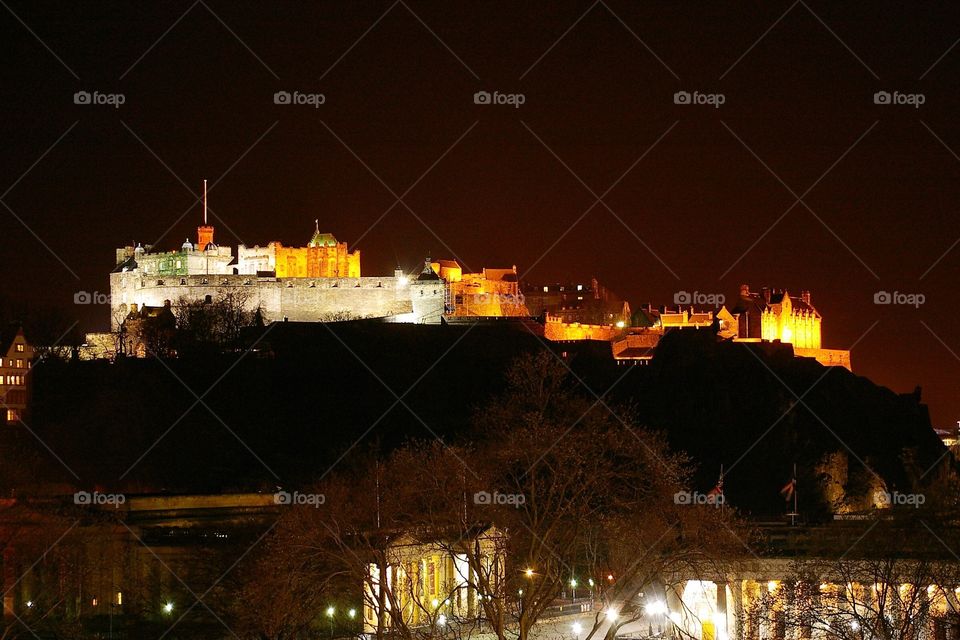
(484, 537)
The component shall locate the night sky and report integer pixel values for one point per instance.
(694, 197)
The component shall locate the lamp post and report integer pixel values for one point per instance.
(330, 612)
(573, 586)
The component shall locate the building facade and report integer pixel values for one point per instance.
(16, 357)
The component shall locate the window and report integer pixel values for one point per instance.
(579, 287)
(19, 348)
(13, 415)
(545, 289)
(19, 363)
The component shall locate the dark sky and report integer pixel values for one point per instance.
(496, 185)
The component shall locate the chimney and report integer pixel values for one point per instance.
(765, 292)
(744, 291)
(805, 296)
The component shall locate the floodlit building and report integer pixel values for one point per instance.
(434, 583)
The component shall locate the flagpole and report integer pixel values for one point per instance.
(795, 489)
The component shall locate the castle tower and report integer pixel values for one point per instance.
(205, 231)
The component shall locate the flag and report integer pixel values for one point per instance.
(716, 494)
(788, 489)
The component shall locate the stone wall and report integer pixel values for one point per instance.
(295, 299)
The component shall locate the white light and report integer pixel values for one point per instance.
(621, 324)
(576, 628)
(29, 604)
(352, 613)
(611, 615)
(854, 625)
(442, 620)
(573, 583)
(330, 612)
(403, 281)
(435, 603)
(656, 608)
(167, 608)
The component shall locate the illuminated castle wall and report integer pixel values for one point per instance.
(492, 292)
(326, 281)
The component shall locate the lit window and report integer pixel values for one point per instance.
(13, 415)
(119, 597)
(545, 289)
(19, 363)
(20, 348)
(579, 287)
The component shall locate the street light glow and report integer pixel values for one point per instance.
(528, 572)
(352, 613)
(656, 608)
(576, 628)
(330, 612)
(168, 608)
(573, 582)
(612, 615)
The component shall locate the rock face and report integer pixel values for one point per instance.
(758, 411)
(311, 391)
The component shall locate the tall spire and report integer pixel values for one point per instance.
(204, 202)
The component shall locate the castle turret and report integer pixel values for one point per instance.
(204, 236)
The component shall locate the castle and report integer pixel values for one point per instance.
(317, 282)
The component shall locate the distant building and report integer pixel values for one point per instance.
(774, 315)
(490, 293)
(323, 257)
(148, 331)
(585, 303)
(432, 583)
(16, 356)
(306, 284)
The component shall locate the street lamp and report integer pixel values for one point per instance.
(573, 586)
(330, 612)
(168, 608)
(528, 572)
(576, 628)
